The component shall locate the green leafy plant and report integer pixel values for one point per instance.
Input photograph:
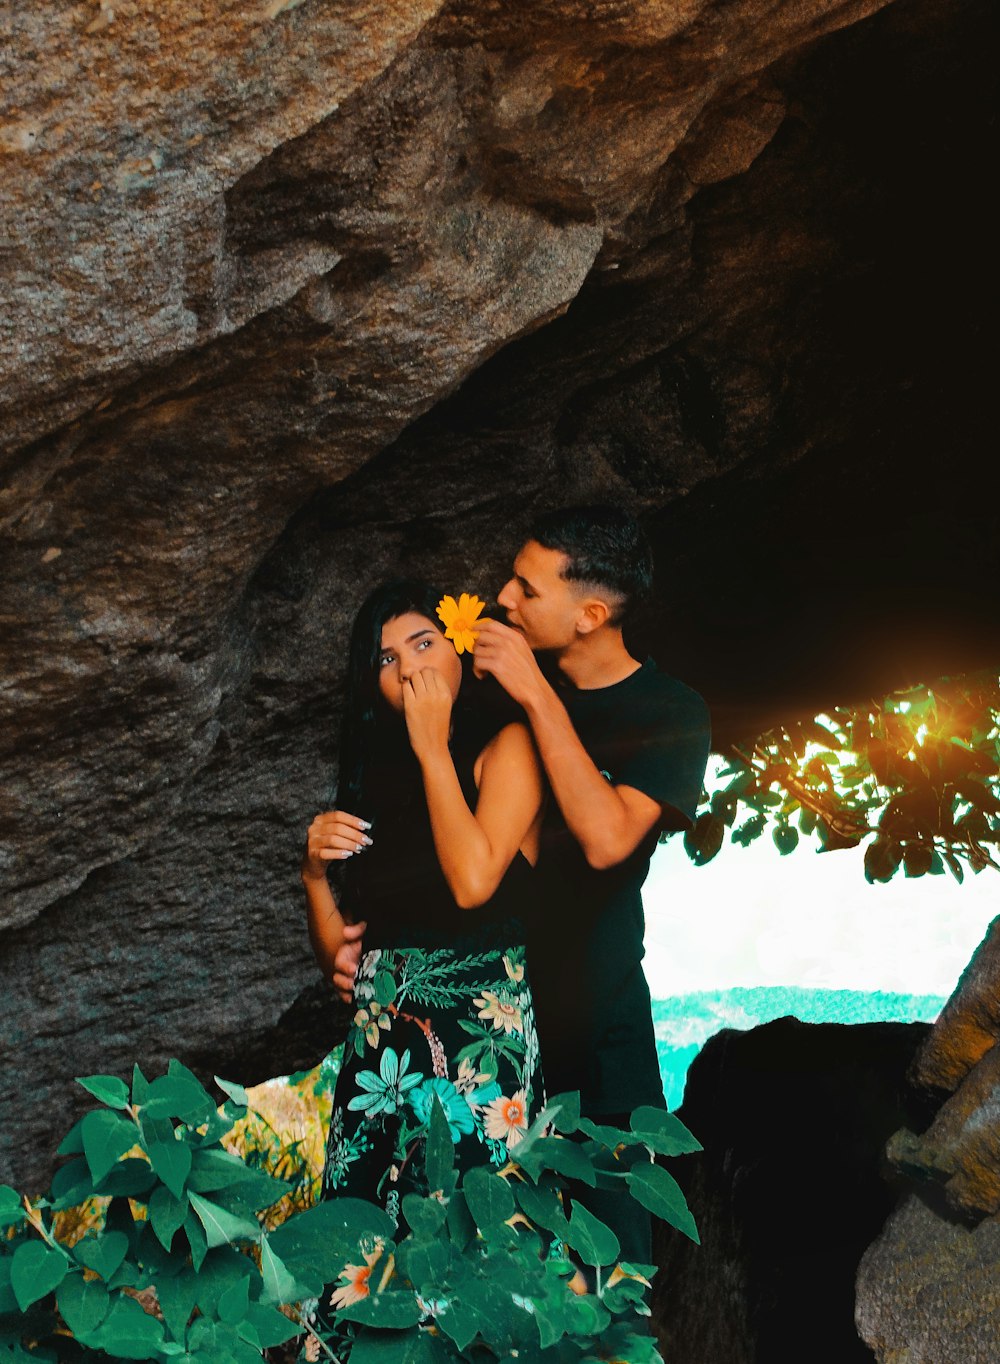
(918, 773)
(183, 1269)
(180, 1208)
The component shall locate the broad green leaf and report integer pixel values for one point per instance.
(393, 1311)
(106, 1137)
(279, 1285)
(563, 1111)
(224, 1266)
(171, 1160)
(270, 1327)
(127, 1332)
(71, 1184)
(555, 1318)
(704, 839)
(126, 1276)
(132, 1177)
(195, 1233)
(176, 1295)
(178, 1096)
(917, 859)
(427, 1265)
(102, 1252)
(320, 1241)
(595, 1243)
(256, 1191)
(439, 1162)
(83, 1304)
(424, 1216)
(563, 1155)
(663, 1132)
(166, 1214)
(72, 1142)
(108, 1088)
(786, 839)
(658, 1191)
(219, 1124)
(488, 1198)
(213, 1170)
(11, 1208)
(461, 1227)
(611, 1137)
(140, 1086)
(235, 1092)
(222, 1227)
(882, 857)
(460, 1322)
(234, 1303)
(35, 1270)
(8, 1302)
(543, 1207)
(388, 1347)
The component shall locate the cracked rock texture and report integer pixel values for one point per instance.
(298, 297)
(928, 1287)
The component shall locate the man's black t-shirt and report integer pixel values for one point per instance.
(650, 732)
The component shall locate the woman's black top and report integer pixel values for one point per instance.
(397, 885)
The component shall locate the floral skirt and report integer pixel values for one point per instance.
(431, 1023)
(458, 1026)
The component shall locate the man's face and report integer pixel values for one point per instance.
(538, 601)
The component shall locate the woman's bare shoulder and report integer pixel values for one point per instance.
(508, 743)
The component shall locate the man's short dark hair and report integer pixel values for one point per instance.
(605, 548)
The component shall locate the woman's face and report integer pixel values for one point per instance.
(411, 642)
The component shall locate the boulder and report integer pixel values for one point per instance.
(301, 296)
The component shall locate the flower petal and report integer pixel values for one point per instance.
(389, 1067)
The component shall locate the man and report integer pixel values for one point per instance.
(624, 748)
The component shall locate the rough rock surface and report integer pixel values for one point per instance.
(299, 296)
(928, 1289)
(787, 1192)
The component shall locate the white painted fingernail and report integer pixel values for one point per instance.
(347, 853)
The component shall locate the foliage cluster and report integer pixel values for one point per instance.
(187, 1266)
(919, 770)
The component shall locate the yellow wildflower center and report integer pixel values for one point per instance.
(459, 619)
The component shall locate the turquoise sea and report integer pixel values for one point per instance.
(686, 1022)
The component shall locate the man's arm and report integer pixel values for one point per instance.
(337, 944)
(609, 822)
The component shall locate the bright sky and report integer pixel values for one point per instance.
(752, 917)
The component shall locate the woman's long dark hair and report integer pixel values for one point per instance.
(372, 733)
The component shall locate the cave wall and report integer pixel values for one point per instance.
(302, 297)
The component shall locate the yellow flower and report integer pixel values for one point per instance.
(459, 618)
(503, 1014)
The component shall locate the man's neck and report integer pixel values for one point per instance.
(597, 660)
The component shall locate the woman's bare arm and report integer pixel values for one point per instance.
(476, 848)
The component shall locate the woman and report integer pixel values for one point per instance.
(437, 827)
